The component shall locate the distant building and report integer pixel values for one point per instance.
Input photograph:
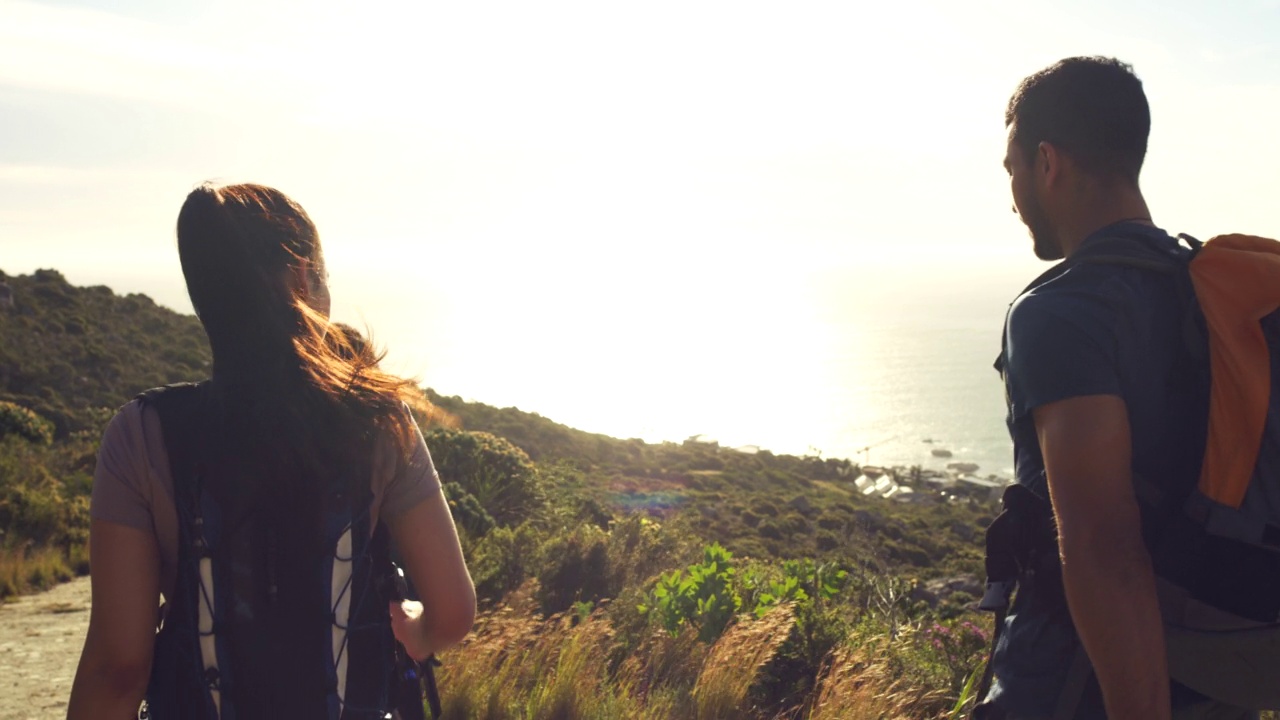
(986, 489)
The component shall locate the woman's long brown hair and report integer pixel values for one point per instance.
(247, 252)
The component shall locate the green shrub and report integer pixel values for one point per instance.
(764, 507)
(769, 529)
(503, 559)
(641, 548)
(575, 569)
(803, 583)
(794, 525)
(467, 511)
(496, 473)
(34, 507)
(20, 422)
(701, 596)
(590, 510)
(831, 522)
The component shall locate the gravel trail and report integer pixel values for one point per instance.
(40, 641)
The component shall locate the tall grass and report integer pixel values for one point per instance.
(734, 663)
(520, 666)
(862, 684)
(29, 568)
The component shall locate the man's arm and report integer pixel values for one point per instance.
(1106, 570)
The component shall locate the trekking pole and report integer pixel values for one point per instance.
(429, 682)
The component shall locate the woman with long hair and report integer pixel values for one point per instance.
(261, 505)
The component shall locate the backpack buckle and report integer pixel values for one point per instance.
(997, 595)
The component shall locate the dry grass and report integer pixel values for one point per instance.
(663, 662)
(31, 569)
(520, 666)
(517, 665)
(859, 686)
(482, 678)
(734, 663)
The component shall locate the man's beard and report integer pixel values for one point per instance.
(1043, 239)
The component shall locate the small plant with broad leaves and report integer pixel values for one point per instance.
(802, 582)
(701, 595)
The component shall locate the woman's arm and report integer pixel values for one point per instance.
(111, 680)
(428, 542)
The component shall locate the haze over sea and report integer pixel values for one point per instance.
(853, 364)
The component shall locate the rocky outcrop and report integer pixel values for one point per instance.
(935, 591)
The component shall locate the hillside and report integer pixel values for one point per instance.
(758, 504)
(70, 352)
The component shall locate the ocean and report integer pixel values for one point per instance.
(883, 371)
(912, 373)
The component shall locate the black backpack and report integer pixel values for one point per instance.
(261, 624)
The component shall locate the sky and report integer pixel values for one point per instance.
(625, 216)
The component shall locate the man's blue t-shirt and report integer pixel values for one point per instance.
(1088, 328)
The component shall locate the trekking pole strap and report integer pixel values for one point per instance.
(988, 673)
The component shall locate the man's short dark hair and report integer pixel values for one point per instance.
(1093, 108)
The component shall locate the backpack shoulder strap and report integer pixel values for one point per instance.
(181, 685)
(1153, 257)
(180, 407)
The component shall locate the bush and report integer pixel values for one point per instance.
(640, 549)
(764, 507)
(493, 471)
(502, 560)
(769, 529)
(35, 507)
(467, 511)
(18, 421)
(701, 596)
(794, 525)
(575, 569)
(831, 522)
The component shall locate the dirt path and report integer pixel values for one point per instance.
(40, 640)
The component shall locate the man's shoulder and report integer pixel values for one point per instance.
(1109, 275)
(1075, 296)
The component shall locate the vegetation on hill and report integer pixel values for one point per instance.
(618, 578)
(74, 354)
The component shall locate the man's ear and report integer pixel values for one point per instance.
(1050, 163)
